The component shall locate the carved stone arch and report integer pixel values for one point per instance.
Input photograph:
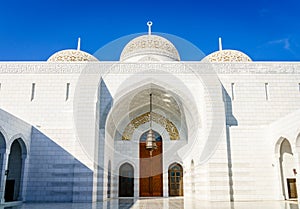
(21, 139)
(175, 163)
(118, 118)
(278, 146)
(145, 128)
(144, 118)
(120, 163)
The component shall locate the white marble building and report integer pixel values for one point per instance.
(73, 127)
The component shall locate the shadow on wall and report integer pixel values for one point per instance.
(54, 175)
(230, 121)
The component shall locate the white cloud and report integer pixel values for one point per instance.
(285, 42)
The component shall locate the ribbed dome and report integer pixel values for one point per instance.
(149, 48)
(71, 55)
(228, 56)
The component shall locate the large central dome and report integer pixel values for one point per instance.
(149, 48)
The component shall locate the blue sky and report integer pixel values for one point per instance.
(34, 29)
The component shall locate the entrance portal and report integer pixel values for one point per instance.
(126, 183)
(151, 183)
(175, 180)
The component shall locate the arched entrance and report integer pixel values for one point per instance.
(151, 181)
(175, 180)
(287, 170)
(14, 173)
(2, 152)
(126, 177)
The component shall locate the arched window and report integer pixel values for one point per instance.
(175, 180)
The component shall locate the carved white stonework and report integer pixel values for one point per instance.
(228, 56)
(155, 67)
(148, 59)
(150, 45)
(71, 55)
(144, 118)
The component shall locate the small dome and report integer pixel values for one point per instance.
(228, 56)
(149, 48)
(71, 55)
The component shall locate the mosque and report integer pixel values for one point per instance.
(76, 128)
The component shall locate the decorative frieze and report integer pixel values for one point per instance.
(157, 118)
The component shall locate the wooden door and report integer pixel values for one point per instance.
(292, 188)
(151, 181)
(175, 180)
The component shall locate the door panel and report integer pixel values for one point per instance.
(292, 189)
(151, 183)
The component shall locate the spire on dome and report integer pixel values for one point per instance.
(149, 23)
(78, 44)
(220, 44)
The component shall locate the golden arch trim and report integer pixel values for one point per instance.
(144, 118)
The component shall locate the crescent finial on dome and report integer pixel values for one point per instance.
(149, 23)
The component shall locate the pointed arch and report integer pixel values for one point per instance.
(20, 138)
(144, 118)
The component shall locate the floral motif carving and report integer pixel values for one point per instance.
(71, 56)
(228, 56)
(144, 118)
(150, 44)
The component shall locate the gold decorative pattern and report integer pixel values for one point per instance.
(150, 44)
(228, 56)
(157, 118)
(71, 56)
